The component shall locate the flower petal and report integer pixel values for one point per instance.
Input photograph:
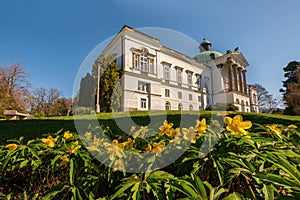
(228, 120)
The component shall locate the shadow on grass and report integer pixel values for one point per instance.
(36, 128)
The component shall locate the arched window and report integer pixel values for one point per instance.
(180, 106)
(168, 106)
(191, 107)
(237, 101)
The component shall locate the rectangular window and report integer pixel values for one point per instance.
(144, 63)
(143, 86)
(167, 93)
(166, 72)
(151, 65)
(143, 103)
(179, 95)
(179, 75)
(199, 98)
(189, 79)
(135, 61)
(190, 97)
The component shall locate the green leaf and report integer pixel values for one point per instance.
(72, 172)
(52, 194)
(129, 183)
(285, 166)
(200, 187)
(268, 192)
(279, 180)
(234, 196)
(23, 163)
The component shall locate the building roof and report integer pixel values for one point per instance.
(207, 56)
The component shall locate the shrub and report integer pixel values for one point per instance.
(222, 107)
(260, 163)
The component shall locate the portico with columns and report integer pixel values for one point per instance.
(232, 68)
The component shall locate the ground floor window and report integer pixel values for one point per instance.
(191, 107)
(180, 106)
(168, 106)
(143, 103)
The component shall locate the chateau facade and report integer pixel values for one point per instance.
(156, 77)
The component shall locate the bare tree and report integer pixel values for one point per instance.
(14, 87)
(44, 101)
(266, 101)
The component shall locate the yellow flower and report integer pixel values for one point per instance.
(92, 148)
(189, 134)
(173, 132)
(74, 147)
(275, 129)
(11, 147)
(236, 125)
(64, 160)
(133, 128)
(176, 140)
(292, 126)
(148, 148)
(165, 128)
(67, 134)
(118, 166)
(223, 113)
(158, 148)
(49, 141)
(216, 123)
(115, 149)
(201, 126)
(129, 143)
(88, 135)
(97, 142)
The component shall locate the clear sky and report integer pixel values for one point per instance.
(51, 38)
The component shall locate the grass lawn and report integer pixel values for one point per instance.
(36, 127)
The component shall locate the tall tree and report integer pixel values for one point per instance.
(14, 87)
(86, 96)
(109, 90)
(290, 75)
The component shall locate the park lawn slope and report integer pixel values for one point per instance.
(35, 128)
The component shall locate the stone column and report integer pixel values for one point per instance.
(240, 80)
(229, 65)
(244, 81)
(235, 84)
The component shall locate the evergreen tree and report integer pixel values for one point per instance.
(109, 91)
(290, 75)
(86, 96)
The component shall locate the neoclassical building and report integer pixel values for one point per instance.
(156, 77)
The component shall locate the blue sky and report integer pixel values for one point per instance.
(52, 38)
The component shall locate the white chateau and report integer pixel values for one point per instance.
(156, 77)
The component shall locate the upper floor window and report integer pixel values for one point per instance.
(178, 74)
(167, 93)
(136, 58)
(189, 78)
(190, 97)
(167, 72)
(179, 95)
(143, 60)
(144, 63)
(151, 65)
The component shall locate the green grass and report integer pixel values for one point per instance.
(36, 127)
